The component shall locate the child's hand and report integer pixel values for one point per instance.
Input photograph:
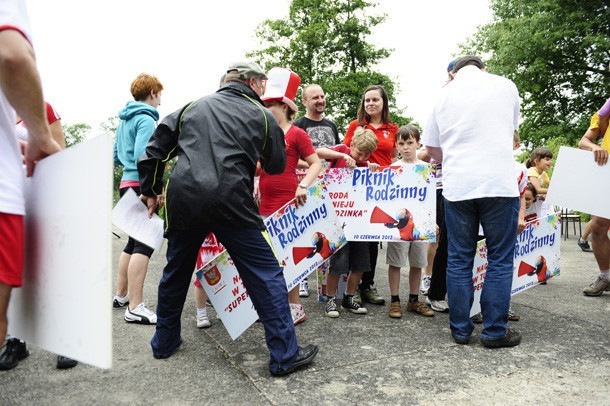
(521, 224)
(351, 162)
(373, 167)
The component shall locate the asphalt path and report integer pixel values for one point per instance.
(564, 358)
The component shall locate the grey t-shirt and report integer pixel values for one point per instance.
(323, 133)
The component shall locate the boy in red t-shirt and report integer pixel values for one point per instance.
(353, 257)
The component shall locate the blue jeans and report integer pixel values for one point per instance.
(262, 277)
(499, 218)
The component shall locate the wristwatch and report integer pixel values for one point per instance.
(303, 185)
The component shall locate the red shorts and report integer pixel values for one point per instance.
(12, 242)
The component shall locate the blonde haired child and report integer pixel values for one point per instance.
(363, 144)
(353, 257)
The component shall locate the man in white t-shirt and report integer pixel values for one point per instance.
(21, 93)
(471, 131)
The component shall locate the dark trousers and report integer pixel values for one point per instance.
(438, 283)
(498, 216)
(368, 278)
(260, 273)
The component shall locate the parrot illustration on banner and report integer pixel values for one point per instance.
(539, 269)
(321, 246)
(403, 222)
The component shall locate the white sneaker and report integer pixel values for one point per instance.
(140, 315)
(119, 301)
(202, 319)
(438, 305)
(304, 288)
(298, 313)
(425, 284)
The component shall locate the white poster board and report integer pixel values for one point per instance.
(395, 204)
(579, 183)
(227, 292)
(64, 304)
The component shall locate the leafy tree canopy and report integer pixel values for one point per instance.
(75, 133)
(325, 42)
(557, 52)
(111, 124)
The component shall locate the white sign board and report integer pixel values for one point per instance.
(579, 183)
(64, 304)
(224, 287)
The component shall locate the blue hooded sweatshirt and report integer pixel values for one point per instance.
(138, 123)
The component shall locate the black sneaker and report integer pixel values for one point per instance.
(65, 362)
(511, 339)
(14, 351)
(477, 318)
(350, 304)
(584, 245)
(331, 309)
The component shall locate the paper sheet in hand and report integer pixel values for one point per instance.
(131, 216)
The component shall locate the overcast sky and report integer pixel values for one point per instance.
(89, 51)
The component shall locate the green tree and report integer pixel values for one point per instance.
(111, 124)
(557, 53)
(325, 42)
(75, 133)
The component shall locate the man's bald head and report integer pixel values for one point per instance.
(314, 101)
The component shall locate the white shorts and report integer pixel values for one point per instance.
(408, 253)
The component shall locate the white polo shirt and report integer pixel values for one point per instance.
(13, 16)
(473, 123)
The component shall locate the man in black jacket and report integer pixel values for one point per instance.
(218, 140)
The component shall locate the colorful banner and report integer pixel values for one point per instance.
(322, 274)
(396, 204)
(228, 294)
(537, 252)
(304, 237)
